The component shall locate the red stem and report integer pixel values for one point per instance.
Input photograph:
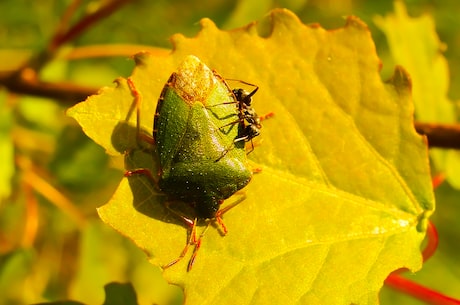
(418, 291)
(437, 180)
(430, 248)
(432, 241)
(428, 295)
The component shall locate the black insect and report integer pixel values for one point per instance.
(248, 119)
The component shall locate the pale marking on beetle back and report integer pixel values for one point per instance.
(193, 81)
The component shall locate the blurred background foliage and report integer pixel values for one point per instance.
(52, 244)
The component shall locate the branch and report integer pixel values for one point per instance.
(25, 82)
(440, 135)
(61, 37)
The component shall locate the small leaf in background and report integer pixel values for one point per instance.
(6, 149)
(120, 294)
(97, 266)
(117, 260)
(245, 11)
(415, 45)
(71, 159)
(344, 193)
(13, 274)
(61, 303)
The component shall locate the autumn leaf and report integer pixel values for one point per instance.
(344, 193)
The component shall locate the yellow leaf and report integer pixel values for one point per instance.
(344, 193)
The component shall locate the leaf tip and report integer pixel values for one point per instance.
(353, 21)
(401, 80)
(282, 14)
(141, 58)
(207, 23)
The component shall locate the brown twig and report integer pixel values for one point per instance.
(64, 23)
(67, 93)
(66, 17)
(61, 38)
(25, 79)
(440, 135)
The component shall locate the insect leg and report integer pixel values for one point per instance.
(141, 136)
(145, 172)
(225, 209)
(197, 243)
(191, 241)
(266, 116)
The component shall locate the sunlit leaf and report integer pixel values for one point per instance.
(344, 193)
(415, 44)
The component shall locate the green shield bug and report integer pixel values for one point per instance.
(200, 129)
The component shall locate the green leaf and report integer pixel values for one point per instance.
(344, 193)
(71, 159)
(115, 294)
(6, 149)
(120, 294)
(414, 44)
(13, 274)
(97, 265)
(61, 303)
(245, 10)
(105, 257)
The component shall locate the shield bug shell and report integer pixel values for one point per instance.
(193, 106)
(200, 138)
